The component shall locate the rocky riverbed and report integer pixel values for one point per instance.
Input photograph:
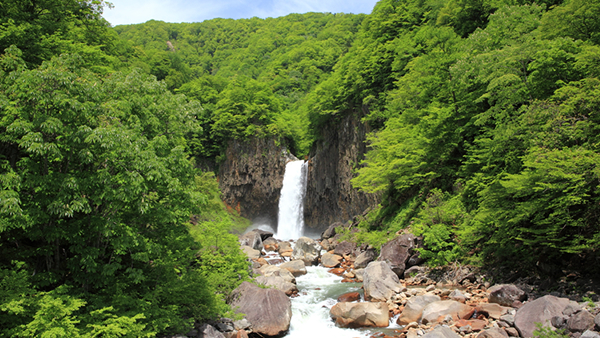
(400, 297)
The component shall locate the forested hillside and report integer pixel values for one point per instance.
(485, 120)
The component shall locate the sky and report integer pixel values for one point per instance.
(138, 11)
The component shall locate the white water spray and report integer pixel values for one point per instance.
(290, 223)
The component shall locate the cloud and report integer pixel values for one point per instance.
(135, 11)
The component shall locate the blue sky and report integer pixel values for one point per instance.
(138, 11)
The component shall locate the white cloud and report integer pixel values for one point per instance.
(136, 11)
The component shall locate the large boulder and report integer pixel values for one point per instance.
(274, 270)
(250, 252)
(344, 248)
(414, 308)
(506, 294)
(441, 332)
(397, 252)
(278, 283)
(268, 310)
(296, 268)
(437, 311)
(581, 321)
(380, 282)
(364, 259)
(541, 311)
(252, 239)
(364, 314)
(270, 244)
(330, 260)
(307, 250)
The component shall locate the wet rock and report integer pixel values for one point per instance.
(344, 248)
(252, 239)
(441, 332)
(296, 268)
(365, 314)
(349, 297)
(506, 294)
(433, 311)
(581, 321)
(380, 282)
(397, 251)
(270, 244)
(364, 259)
(208, 331)
(250, 252)
(278, 283)
(540, 310)
(414, 308)
(493, 333)
(268, 310)
(307, 250)
(330, 260)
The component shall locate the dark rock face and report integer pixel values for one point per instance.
(269, 310)
(251, 176)
(330, 197)
(397, 252)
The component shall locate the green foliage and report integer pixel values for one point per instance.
(548, 332)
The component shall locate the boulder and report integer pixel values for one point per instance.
(330, 260)
(344, 248)
(441, 332)
(413, 271)
(596, 319)
(307, 250)
(273, 270)
(349, 297)
(540, 310)
(437, 311)
(296, 268)
(250, 252)
(252, 239)
(364, 259)
(330, 232)
(209, 331)
(278, 283)
(492, 310)
(359, 275)
(270, 244)
(380, 282)
(581, 321)
(397, 252)
(458, 296)
(268, 310)
(415, 259)
(414, 308)
(284, 247)
(494, 332)
(506, 294)
(263, 234)
(590, 334)
(365, 314)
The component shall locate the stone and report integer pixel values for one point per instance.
(270, 244)
(540, 310)
(380, 282)
(365, 314)
(241, 334)
(330, 232)
(364, 259)
(273, 270)
(580, 321)
(458, 296)
(209, 331)
(572, 308)
(506, 294)
(242, 324)
(590, 334)
(494, 332)
(441, 332)
(349, 297)
(307, 250)
(296, 268)
(596, 319)
(344, 248)
(330, 260)
(433, 311)
(252, 239)
(268, 310)
(415, 259)
(492, 310)
(413, 271)
(414, 308)
(285, 247)
(512, 332)
(250, 252)
(278, 283)
(508, 318)
(359, 275)
(397, 251)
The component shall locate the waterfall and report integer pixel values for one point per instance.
(290, 223)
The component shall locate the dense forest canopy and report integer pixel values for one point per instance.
(485, 141)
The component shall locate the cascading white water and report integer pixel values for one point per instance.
(290, 223)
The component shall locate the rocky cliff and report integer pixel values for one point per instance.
(251, 176)
(330, 197)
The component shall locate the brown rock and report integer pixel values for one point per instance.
(365, 314)
(242, 334)
(414, 308)
(581, 321)
(491, 310)
(297, 268)
(440, 309)
(349, 297)
(540, 310)
(379, 282)
(397, 252)
(269, 310)
(506, 294)
(344, 248)
(337, 271)
(493, 333)
(329, 260)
